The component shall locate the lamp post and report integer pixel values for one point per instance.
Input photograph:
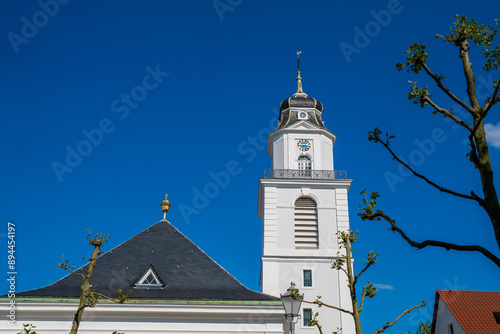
(291, 304)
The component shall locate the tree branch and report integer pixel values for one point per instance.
(315, 322)
(478, 122)
(447, 113)
(114, 300)
(363, 294)
(423, 244)
(319, 327)
(402, 314)
(439, 82)
(492, 100)
(320, 303)
(470, 78)
(473, 151)
(442, 189)
(74, 272)
(362, 271)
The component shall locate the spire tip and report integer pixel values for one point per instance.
(299, 93)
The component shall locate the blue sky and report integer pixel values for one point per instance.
(171, 92)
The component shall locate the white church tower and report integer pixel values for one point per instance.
(303, 204)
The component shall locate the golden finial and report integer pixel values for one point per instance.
(299, 79)
(165, 206)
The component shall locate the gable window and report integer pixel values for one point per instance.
(149, 280)
(450, 328)
(308, 278)
(306, 223)
(497, 317)
(307, 316)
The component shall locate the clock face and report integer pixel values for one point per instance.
(304, 145)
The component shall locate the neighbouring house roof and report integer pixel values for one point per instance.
(474, 310)
(178, 268)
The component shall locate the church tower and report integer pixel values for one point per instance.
(303, 204)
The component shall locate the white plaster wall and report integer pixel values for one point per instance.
(282, 263)
(277, 199)
(279, 147)
(443, 318)
(330, 284)
(284, 150)
(56, 317)
(342, 208)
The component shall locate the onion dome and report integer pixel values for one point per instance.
(299, 108)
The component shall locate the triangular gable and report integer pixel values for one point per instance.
(301, 125)
(149, 279)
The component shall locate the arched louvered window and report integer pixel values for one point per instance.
(306, 223)
(304, 162)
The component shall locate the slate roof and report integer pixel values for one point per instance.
(290, 108)
(186, 272)
(301, 102)
(472, 309)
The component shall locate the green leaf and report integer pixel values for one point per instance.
(464, 30)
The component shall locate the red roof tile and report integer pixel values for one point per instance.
(473, 309)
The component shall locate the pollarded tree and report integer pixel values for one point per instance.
(463, 33)
(89, 296)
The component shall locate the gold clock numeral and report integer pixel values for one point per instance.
(304, 145)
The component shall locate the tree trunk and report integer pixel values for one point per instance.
(86, 289)
(352, 288)
(490, 204)
(482, 159)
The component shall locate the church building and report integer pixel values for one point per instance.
(177, 288)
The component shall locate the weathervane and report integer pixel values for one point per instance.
(299, 79)
(298, 60)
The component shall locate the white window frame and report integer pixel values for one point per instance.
(141, 281)
(312, 278)
(303, 317)
(299, 162)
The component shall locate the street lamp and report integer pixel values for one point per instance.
(291, 304)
